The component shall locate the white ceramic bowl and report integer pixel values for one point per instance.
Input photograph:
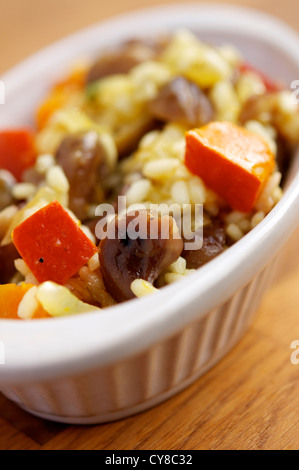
(101, 367)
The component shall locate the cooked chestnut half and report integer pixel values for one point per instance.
(183, 102)
(214, 243)
(128, 257)
(123, 58)
(82, 158)
(8, 255)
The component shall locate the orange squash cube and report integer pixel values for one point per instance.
(232, 161)
(52, 245)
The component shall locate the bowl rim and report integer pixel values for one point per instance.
(69, 345)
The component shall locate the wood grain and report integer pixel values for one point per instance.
(248, 401)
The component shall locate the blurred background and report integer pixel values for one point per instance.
(29, 25)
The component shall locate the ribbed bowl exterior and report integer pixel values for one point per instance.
(144, 380)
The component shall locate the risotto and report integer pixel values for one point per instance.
(143, 167)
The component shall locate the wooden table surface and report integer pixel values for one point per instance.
(248, 401)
